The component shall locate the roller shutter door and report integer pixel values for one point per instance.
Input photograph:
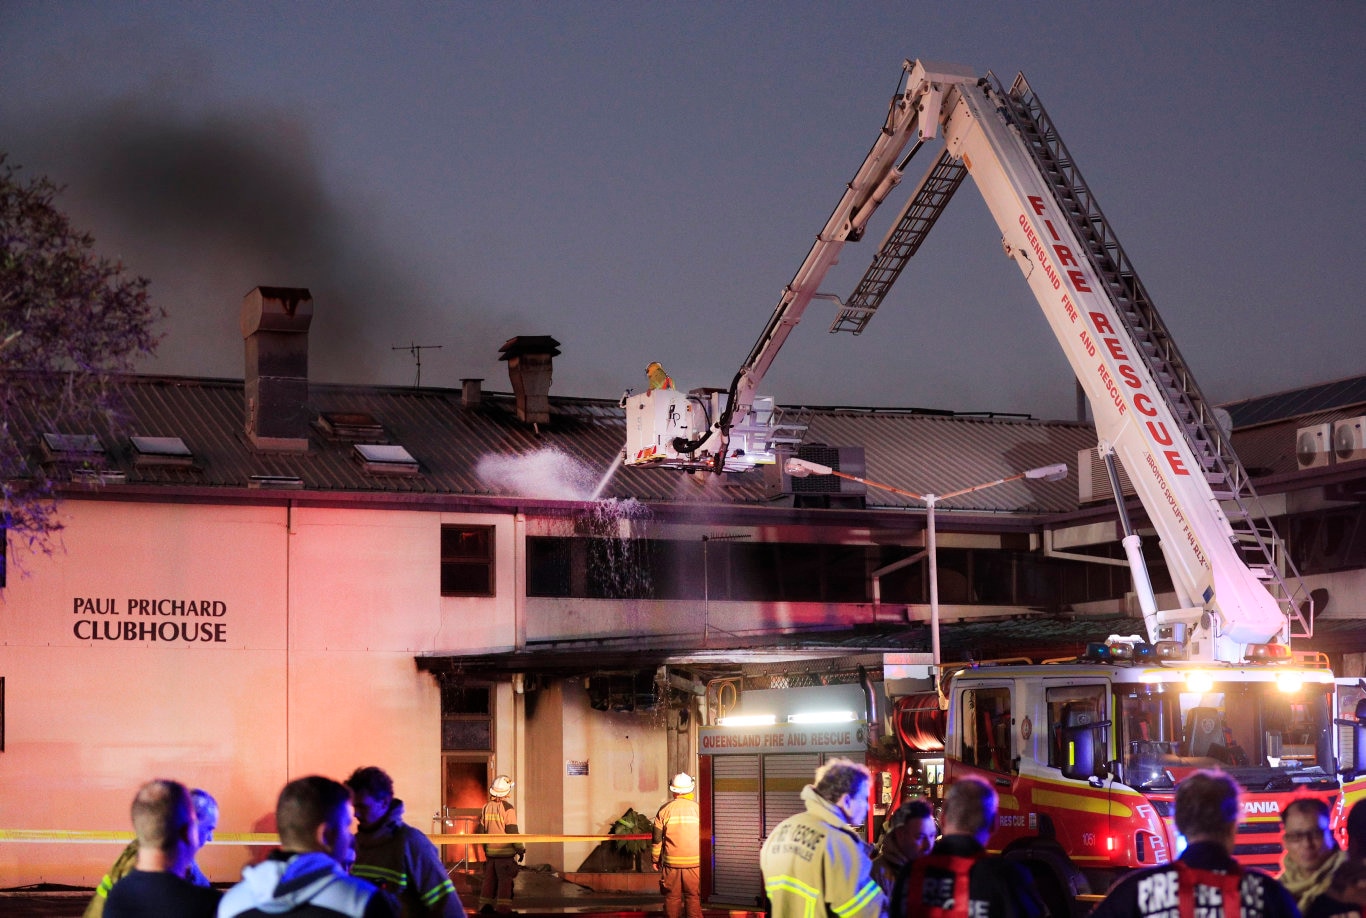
(735, 831)
(784, 778)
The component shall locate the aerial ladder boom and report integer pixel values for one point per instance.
(1220, 550)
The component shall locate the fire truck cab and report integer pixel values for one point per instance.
(1086, 753)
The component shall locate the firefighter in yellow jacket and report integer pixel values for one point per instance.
(501, 859)
(675, 851)
(814, 863)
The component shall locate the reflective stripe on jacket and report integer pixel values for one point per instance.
(814, 865)
(499, 818)
(676, 834)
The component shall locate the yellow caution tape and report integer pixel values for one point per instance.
(469, 839)
(78, 836)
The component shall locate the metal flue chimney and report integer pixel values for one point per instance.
(530, 359)
(275, 324)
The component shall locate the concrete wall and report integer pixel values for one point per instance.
(315, 616)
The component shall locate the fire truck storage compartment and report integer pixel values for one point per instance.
(751, 794)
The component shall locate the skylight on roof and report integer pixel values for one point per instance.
(161, 446)
(72, 445)
(161, 451)
(386, 458)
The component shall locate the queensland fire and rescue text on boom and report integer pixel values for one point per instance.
(1141, 401)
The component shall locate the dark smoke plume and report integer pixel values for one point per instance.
(209, 207)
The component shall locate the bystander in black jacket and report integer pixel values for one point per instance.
(997, 888)
(1157, 892)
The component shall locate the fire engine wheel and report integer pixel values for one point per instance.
(1056, 878)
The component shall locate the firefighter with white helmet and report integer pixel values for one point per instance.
(499, 817)
(675, 850)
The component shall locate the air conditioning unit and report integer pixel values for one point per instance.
(1313, 446)
(825, 490)
(1093, 482)
(1349, 438)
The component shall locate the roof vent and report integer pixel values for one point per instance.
(275, 481)
(89, 476)
(351, 425)
(530, 361)
(471, 392)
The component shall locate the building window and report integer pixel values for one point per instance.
(467, 560)
(1073, 707)
(466, 721)
(987, 729)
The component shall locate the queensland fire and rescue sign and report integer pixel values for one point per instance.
(161, 620)
(846, 737)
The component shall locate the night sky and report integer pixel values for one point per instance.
(639, 180)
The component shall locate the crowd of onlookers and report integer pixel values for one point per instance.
(814, 863)
(346, 851)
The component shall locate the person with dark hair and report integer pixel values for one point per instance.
(815, 863)
(996, 887)
(304, 877)
(1346, 893)
(1312, 854)
(167, 838)
(393, 855)
(206, 816)
(1207, 812)
(910, 833)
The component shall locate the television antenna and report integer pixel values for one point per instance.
(416, 350)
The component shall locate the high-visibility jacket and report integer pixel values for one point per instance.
(499, 818)
(675, 837)
(814, 865)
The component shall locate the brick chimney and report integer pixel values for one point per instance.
(275, 324)
(530, 359)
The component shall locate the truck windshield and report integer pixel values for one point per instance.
(1262, 734)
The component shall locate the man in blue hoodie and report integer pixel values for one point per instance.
(305, 877)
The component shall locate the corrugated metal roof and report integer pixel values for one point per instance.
(486, 451)
(1340, 394)
(931, 454)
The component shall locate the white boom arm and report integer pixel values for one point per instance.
(1131, 410)
(669, 430)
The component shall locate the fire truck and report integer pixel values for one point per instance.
(1086, 752)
